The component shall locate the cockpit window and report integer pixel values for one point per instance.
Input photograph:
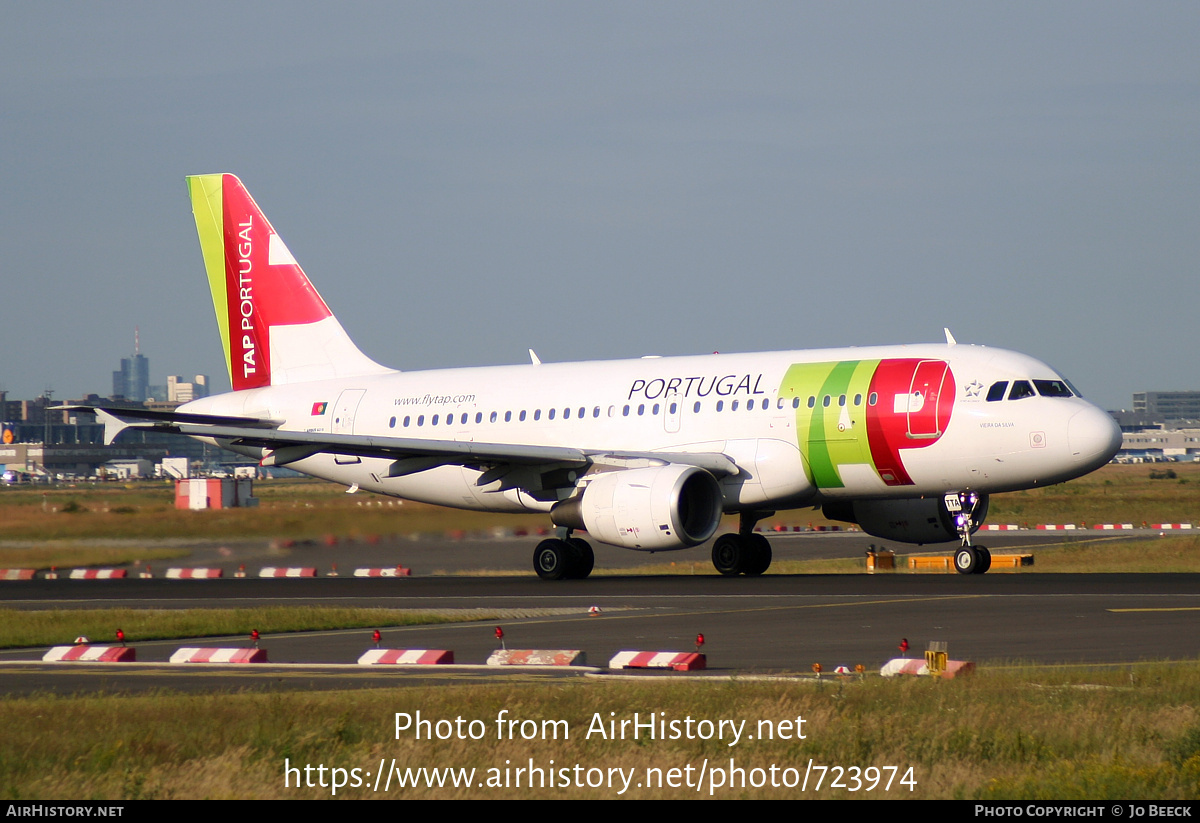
(996, 392)
(1052, 388)
(1020, 389)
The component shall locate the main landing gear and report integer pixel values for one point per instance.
(563, 558)
(745, 552)
(968, 559)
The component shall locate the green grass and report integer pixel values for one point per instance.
(1019, 733)
(61, 626)
(305, 509)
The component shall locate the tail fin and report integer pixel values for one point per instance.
(275, 328)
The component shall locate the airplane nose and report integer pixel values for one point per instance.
(1093, 436)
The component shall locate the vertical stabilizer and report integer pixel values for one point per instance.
(274, 327)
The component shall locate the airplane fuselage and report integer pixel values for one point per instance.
(802, 427)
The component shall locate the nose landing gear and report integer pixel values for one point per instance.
(969, 559)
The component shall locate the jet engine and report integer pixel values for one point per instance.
(921, 520)
(653, 509)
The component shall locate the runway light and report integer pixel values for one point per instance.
(254, 636)
(699, 641)
(903, 645)
(816, 667)
(594, 611)
(376, 636)
(121, 637)
(81, 640)
(500, 636)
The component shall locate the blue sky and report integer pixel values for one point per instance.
(464, 181)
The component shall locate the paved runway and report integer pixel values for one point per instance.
(777, 623)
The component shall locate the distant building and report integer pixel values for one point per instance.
(1168, 405)
(179, 391)
(132, 380)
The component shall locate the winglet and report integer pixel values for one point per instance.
(533, 358)
(950, 341)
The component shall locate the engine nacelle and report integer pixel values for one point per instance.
(922, 520)
(652, 509)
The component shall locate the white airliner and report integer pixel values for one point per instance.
(646, 454)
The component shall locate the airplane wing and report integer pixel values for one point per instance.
(410, 455)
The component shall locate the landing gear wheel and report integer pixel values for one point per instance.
(985, 559)
(583, 560)
(966, 560)
(748, 554)
(758, 558)
(728, 554)
(552, 559)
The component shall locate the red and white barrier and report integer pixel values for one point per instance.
(537, 657)
(406, 657)
(395, 571)
(1002, 527)
(1112, 526)
(17, 574)
(97, 574)
(1170, 525)
(1055, 528)
(291, 571)
(97, 654)
(194, 574)
(916, 666)
(679, 661)
(91, 654)
(194, 655)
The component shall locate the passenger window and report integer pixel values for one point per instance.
(996, 392)
(842, 400)
(858, 399)
(493, 417)
(596, 411)
(795, 402)
(750, 404)
(720, 405)
(420, 420)
(733, 406)
(508, 417)
(537, 414)
(582, 412)
(674, 408)
(656, 408)
(522, 416)
(406, 419)
(567, 413)
(433, 422)
(872, 398)
(478, 417)
(641, 409)
(825, 402)
(392, 423)
(550, 414)
(696, 408)
(625, 411)
(812, 402)
(1020, 389)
